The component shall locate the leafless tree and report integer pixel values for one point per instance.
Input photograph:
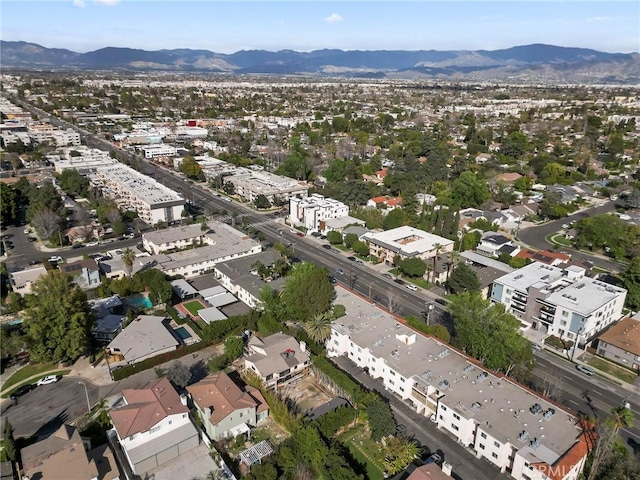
(113, 215)
(84, 220)
(46, 222)
(551, 386)
(393, 302)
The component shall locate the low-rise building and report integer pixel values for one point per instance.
(132, 190)
(493, 244)
(559, 301)
(83, 159)
(153, 426)
(277, 359)
(176, 238)
(85, 273)
(621, 343)
(313, 211)
(407, 242)
(502, 422)
(249, 184)
(145, 337)
(225, 409)
(109, 313)
(158, 150)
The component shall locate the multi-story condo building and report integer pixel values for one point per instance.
(250, 184)
(313, 211)
(407, 242)
(159, 150)
(560, 301)
(521, 433)
(132, 190)
(83, 159)
(47, 133)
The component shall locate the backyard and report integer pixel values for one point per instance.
(364, 450)
(193, 307)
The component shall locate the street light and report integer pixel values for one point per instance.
(86, 392)
(428, 309)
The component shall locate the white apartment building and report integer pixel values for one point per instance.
(176, 238)
(45, 132)
(85, 160)
(250, 184)
(407, 242)
(521, 433)
(562, 302)
(132, 190)
(312, 212)
(159, 150)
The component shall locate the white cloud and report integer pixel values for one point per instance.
(79, 3)
(107, 3)
(333, 18)
(599, 19)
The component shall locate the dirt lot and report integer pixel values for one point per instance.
(306, 394)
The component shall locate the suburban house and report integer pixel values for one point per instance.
(145, 337)
(493, 244)
(385, 202)
(559, 301)
(277, 359)
(515, 429)
(407, 242)
(65, 451)
(21, 282)
(109, 313)
(487, 269)
(153, 426)
(621, 343)
(429, 471)
(544, 256)
(85, 273)
(227, 410)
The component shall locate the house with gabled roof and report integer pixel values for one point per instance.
(226, 409)
(153, 425)
(277, 359)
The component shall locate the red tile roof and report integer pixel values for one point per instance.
(570, 459)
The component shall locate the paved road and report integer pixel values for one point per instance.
(536, 237)
(465, 464)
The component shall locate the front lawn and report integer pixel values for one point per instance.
(193, 307)
(620, 373)
(57, 372)
(26, 372)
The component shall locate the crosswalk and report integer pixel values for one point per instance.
(229, 220)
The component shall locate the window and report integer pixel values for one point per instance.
(154, 429)
(241, 414)
(456, 416)
(494, 455)
(455, 427)
(402, 389)
(496, 444)
(483, 435)
(391, 382)
(392, 373)
(133, 436)
(481, 446)
(444, 409)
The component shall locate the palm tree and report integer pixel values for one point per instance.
(319, 327)
(438, 248)
(398, 453)
(128, 257)
(622, 417)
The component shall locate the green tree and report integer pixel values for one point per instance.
(413, 267)
(478, 323)
(469, 191)
(463, 279)
(74, 183)
(9, 442)
(233, 347)
(381, 420)
(8, 204)
(310, 282)
(398, 452)
(58, 319)
(128, 257)
(394, 219)
(262, 202)
(360, 247)
(621, 417)
(334, 237)
(631, 281)
(179, 374)
(319, 327)
(349, 238)
(470, 240)
(190, 167)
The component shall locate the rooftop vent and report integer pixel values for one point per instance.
(482, 376)
(535, 443)
(443, 353)
(427, 375)
(475, 406)
(468, 368)
(523, 436)
(549, 413)
(518, 277)
(535, 408)
(443, 385)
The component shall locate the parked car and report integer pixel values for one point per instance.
(536, 347)
(387, 275)
(24, 389)
(326, 246)
(351, 259)
(332, 280)
(441, 301)
(92, 244)
(435, 458)
(411, 287)
(360, 262)
(55, 258)
(399, 281)
(76, 246)
(339, 271)
(32, 239)
(586, 370)
(49, 379)
(34, 262)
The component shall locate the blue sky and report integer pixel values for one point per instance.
(226, 27)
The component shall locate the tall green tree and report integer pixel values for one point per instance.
(631, 281)
(58, 319)
(307, 291)
(398, 453)
(190, 167)
(381, 420)
(8, 204)
(73, 182)
(478, 323)
(413, 267)
(319, 327)
(394, 219)
(468, 190)
(463, 279)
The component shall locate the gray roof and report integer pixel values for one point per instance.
(103, 306)
(162, 443)
(239, 270)
(221, 300)
(211, 314)
(281, 352)
(211, 291)
(170, 235)
(144, 336)
(342, 222)
(359, 231)
(108, 324)
(182, 288)
(20, 279)
(486, 261)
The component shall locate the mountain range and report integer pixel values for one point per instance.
(527, 63)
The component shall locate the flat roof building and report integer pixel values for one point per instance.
(250, 184)
(313, 211)
(407, 242)
(559, 301)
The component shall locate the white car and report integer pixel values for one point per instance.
(92, 244)
(412, 287)
(55, 258)
(27, 231)
(48, 379)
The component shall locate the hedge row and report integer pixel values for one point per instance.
(340, 378)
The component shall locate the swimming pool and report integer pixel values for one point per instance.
(182, 333)
(139, 300)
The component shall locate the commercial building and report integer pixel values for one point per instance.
(47, 133)
(559, 301)
(159, 150)
(83, 159)
(250, 184)
(621, 343)
(407, 242)
(313, 211)
(521, 433)
(132, 190)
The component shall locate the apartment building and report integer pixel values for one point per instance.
(132, 190)
(83, 159)
(521, 433)
(560, 301)
(313, 211)
(250, 184)
(407, 242)
(159, 150)
(47, 133)
(176, 238)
